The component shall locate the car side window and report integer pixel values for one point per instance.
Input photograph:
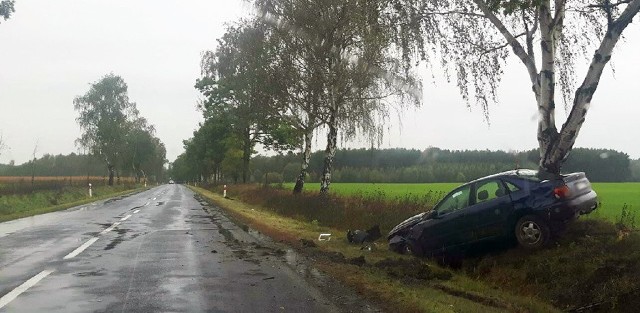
(489, 190)
(511, 187)
(457, 200)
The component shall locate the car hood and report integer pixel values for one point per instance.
(407, 224)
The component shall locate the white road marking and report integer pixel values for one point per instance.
(81, 248)
(136, 211)
(146, 203)
(126, 217)
(154, 198)
(6, 299)
(110, 228)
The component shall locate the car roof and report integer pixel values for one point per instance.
(518, 172)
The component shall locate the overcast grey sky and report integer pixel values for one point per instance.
(51, 50)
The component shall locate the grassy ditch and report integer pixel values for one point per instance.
(39, 202)
(594, 265)
(398, 283)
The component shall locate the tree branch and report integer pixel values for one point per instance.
(423, 14)
(585, 92)
(506, 44)
(518, 50)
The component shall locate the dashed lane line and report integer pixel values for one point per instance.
(80, 248)
(126, 217)
(110, 228)
(136, 211)
(6, 299)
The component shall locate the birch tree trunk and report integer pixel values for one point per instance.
(306, 157)
(329, 153)
(246, 155)
(547, 131)
(555, 149)
(111, 174)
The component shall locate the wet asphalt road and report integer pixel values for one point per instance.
(169, 253)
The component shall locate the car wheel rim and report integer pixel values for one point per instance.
(407, 249)
(530, 233)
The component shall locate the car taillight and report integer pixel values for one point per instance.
(561, 192)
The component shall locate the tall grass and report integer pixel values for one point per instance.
(343, 212)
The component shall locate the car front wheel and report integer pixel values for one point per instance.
(412, 247)
(532, 232)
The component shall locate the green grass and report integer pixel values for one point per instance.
(19, 206)
(612, 196)
(389, 190)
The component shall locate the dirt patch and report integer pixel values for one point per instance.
(308, 243)
(412, 269)
(474, 297)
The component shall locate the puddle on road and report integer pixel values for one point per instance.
(114, 243)
(91, 273)
(114, 199)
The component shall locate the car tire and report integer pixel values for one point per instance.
(412, 247)
(532, 232)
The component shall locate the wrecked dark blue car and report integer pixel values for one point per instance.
(502, 206)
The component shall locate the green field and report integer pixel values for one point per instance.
(612, 196)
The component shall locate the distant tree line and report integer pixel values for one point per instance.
(439, 165)
(70, 165)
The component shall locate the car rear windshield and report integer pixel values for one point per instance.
(528, 174)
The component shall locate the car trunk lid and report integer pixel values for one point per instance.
(577, 184)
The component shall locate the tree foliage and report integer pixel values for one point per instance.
(7, 8)
(237, 82)
(113, 130)
(345, 69)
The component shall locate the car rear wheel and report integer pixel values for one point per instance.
(532, 232)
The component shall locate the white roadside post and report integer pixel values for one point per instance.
(224, 193)
(90, 193)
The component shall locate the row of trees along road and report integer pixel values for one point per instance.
(114, 131)
(345, 65)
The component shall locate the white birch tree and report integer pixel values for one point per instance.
(357, 77)
(473, 40)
